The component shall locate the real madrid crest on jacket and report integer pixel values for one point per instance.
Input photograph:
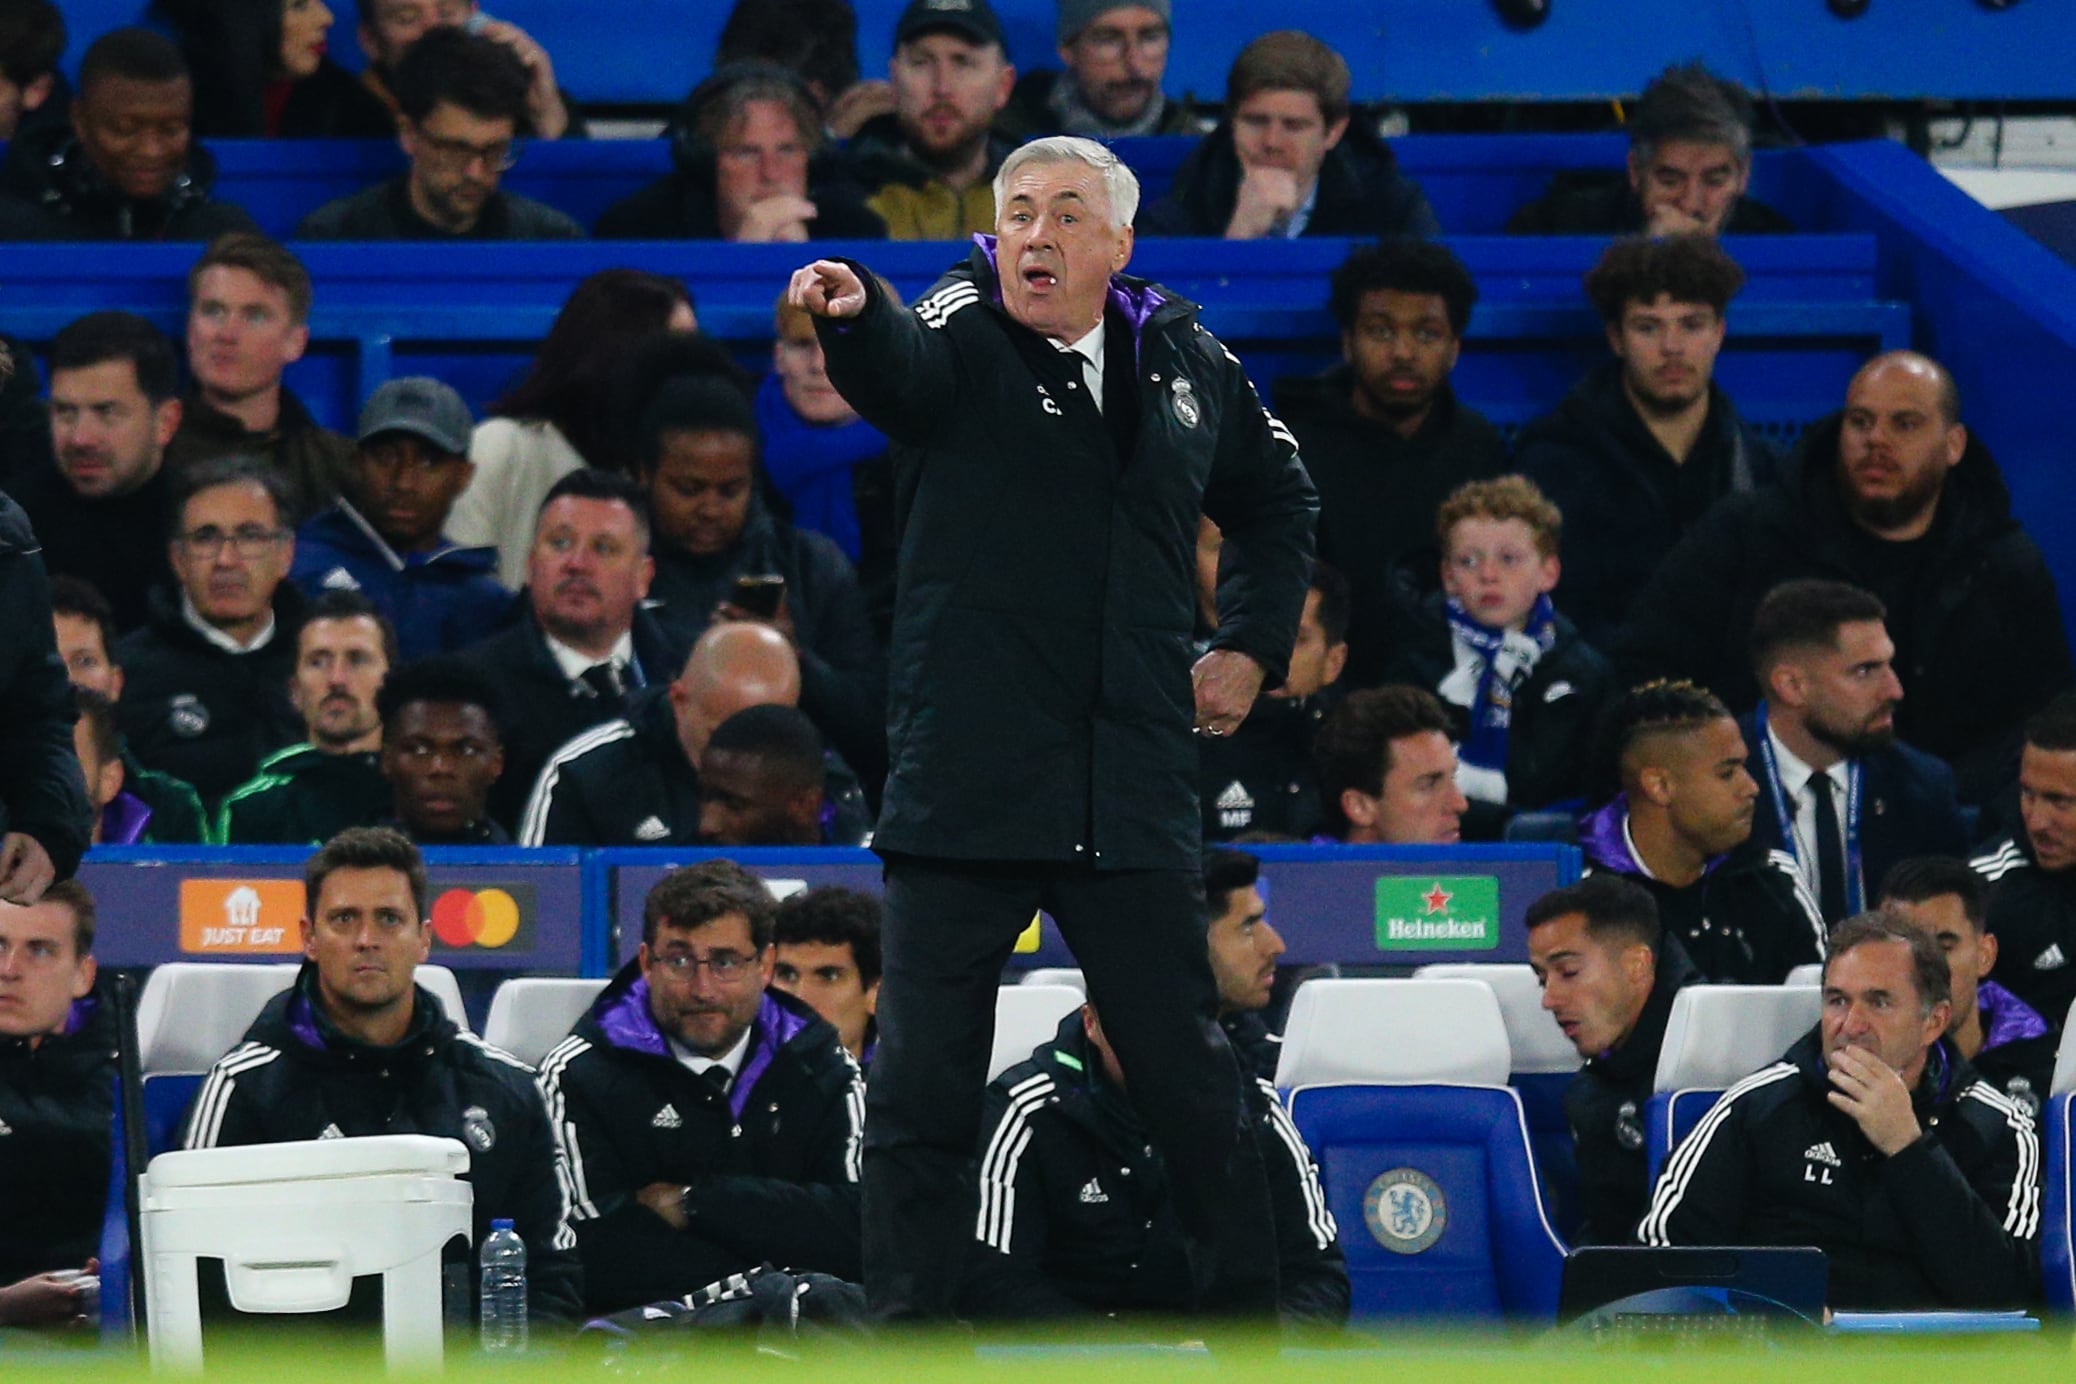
(194, 709)
(1076, 1215)
(297, 1077)
(1053, 588)
(1604, 1105)
(2032, 912)
(1951, 1220)
(770, 1166)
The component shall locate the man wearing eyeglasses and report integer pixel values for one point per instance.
(710, 1124)
(1114, 53)
(462, 98)
(205, 692)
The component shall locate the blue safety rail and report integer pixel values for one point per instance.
(651, 51)
(559, 911)
(1350, 905)
(472, 315)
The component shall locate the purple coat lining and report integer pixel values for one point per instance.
(625, 1020)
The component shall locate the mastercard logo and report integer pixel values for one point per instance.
(475, 917)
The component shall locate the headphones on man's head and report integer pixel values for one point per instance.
(690, 152)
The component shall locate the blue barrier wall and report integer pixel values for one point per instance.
(648, 51)
(554, 911)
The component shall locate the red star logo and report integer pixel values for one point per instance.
(1437, 898)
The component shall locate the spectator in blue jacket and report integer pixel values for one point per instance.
(384, 538)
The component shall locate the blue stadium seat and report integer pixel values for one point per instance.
(118, 1327)
(1436, 1196)
(1717, 1036)
(1398, 1087)
(1541, 1064)
(2058, 1217)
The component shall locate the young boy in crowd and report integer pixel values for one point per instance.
(1522, 687)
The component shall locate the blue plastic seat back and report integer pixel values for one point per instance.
(117, 1326)
(1671, 1117)
(167, 1096)
(1550, 1142)
(2057, 1259)
(1436, 1198)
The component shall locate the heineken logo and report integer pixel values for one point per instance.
(1437, 912)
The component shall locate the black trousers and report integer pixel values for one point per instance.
(1139, 936)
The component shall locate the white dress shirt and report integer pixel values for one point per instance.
(1794, 783)
(1090, 349)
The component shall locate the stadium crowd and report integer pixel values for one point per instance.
(648, 598)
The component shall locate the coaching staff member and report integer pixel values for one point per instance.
(1059, 428)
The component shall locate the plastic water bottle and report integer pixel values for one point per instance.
(504, 1290)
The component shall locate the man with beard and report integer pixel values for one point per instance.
(1114, 52)
(462, 100)
(1647, 443)
(308, 793)
(930, 159)
(1681, 827)
(1837, 791)
(98, 503)
(1383, 436)
(1896, 497)
(711, 1123)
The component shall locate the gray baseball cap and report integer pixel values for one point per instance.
(422, 406)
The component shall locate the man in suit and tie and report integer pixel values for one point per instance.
(1837, 790)
(584, 643)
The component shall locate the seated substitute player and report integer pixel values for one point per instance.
(1872, 1140)
(57, 1059)
(2032, 910)
(443, 748)
(1522, 687)
(1077, 1215)
(1609, 974)
(1387, 772)
(1260, 778)
(1681, 826)
(2008, 1042)
(313, 791)
(1244, 949)
(711, 1124)
(828, 956)
(355, 1047)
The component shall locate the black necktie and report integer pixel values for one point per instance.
(719, 1078)
(603, 679)
(1830, 855)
